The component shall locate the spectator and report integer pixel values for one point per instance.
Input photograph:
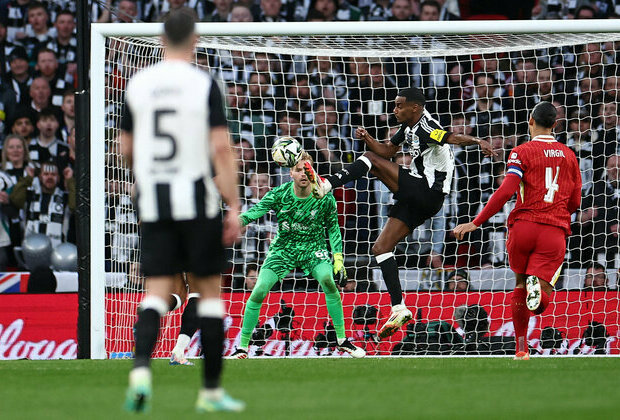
(37, 30)
(486, 110)
(457, 281)
(17, 80)
(327, 8)
(324, 142)
(22, 123)
(495, 244)
(6, 47)
(17, 12)
(241, 13)
(402, 10)
(251, 276)
(371, 104)
(68, 114)
(596, 278)
(382, 9)
(271, 11)
(289, 124)
(430, 10)
(47, 206)
(259, 234)
(127, 12)
(327, 80)
(222, 10)
(595, 236)
(46, 146)
(41, 95)
(300, 98)
(64, 44)
(15, 157)
(581, 139)
(47, 67)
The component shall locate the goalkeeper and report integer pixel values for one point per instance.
(299, 243)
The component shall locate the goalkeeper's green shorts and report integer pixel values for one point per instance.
(282, 262)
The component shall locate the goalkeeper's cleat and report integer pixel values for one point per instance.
(532, 286)
(522, 355)
(320, 186)
(399, 317)
(138, 396)
(210, 401)
(176, 360)
(240, 354)
(352, 349)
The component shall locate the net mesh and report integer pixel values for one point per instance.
(319, 89)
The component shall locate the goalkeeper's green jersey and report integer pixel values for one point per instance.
(301, 221)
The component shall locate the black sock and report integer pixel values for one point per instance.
(212, 340)
(389, 269)
(189, 319)
(349, 173)
(146, 331)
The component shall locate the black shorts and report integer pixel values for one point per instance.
(415, 201)
(193, 246)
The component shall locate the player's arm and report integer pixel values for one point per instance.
(386, 149)
(465, 140)
(224, 163)
(258, 210)
(335, 241)
(505, 191)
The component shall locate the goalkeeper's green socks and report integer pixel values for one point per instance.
(334, 307)
(250, 319)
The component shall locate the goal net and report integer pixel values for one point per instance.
(319, 89)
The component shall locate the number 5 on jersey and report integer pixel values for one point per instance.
(551, 183)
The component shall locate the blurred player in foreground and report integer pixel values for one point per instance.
(300, 243)
(173, 127)
(545, 174)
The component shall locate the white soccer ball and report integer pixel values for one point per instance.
(286, 151)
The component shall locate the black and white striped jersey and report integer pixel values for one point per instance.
(170, 109)
(432, 157)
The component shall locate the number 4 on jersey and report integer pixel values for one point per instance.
(551, 183)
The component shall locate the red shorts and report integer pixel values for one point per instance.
(536, 249)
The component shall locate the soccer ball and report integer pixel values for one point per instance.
(286, 151)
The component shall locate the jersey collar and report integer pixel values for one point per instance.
(545, 139)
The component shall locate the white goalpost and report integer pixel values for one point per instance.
(318, 82)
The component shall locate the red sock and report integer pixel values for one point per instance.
(544, 302)
(520, 317)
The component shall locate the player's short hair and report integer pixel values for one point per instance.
(179, 25)
(414, 95)
(37, 5)
(544, 114)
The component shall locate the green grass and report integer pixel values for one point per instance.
(458, 388)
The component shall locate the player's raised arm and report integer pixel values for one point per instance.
(385, 149)
(505, 191)
(466, 140)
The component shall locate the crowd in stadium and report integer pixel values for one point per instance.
(321, 100)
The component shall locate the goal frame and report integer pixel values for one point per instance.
(99, 32)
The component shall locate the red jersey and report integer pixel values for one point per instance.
(550, 188)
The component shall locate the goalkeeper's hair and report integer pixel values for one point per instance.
(544, 114)
(306, 156)
(179, 25)
(414, 95)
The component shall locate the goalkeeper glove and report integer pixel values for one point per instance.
(340, 274)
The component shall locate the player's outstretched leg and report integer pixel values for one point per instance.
(189, 325)
(323, 273)
(266, 279)
(321, 186)
(138, 395)
(212, 397)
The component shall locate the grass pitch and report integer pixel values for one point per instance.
(457, 388)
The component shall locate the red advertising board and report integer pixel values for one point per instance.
(45, 326)
(38, 326)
